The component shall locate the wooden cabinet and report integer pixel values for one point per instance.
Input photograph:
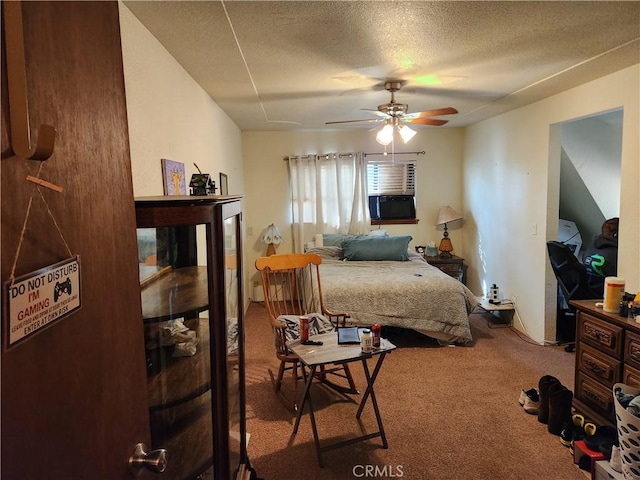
(453, 266)
(189, 255)
(607, 352)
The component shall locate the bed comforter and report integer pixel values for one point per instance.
(410, 294)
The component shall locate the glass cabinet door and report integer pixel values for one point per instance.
(190, 279)
(235, 361)
(175, 311)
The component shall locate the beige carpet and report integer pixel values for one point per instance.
(449, 412)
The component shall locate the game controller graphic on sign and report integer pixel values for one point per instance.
(61, 287)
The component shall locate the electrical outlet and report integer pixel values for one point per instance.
(514, 299)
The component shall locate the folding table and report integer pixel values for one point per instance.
(505, 309)
(330, 352)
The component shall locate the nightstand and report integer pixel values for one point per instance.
(453, 266)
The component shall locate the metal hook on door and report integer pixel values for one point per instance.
(17, 83)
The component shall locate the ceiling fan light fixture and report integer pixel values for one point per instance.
(406, 133)
(385, 134)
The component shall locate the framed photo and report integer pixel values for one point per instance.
(173, 177)
(224, 184)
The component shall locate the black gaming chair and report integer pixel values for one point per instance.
(572, 285)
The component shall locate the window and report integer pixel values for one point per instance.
(328, 194)
(391, 190)
(386, 178)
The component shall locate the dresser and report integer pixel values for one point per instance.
(607, 352)
(453, 266)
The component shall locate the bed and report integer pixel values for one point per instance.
(407, 293)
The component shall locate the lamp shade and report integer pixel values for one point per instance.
(447, 214)
(406, 133)
(272, 235)
(385, 135)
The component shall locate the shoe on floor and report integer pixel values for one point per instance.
(567, 435)
(544, 384)
(532, 395)
(532, 401)
(575, 430)
(590, 429)
(524, 394)
(578, 420)
(560, 398)
(602, 439)
(616, 461)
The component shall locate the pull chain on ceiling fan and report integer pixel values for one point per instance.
(394, 117)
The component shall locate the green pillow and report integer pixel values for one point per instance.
(377, 248)
(334, 239)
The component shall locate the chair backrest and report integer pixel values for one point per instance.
(569, 271)
(291, 284)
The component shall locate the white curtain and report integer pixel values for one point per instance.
(328, 195)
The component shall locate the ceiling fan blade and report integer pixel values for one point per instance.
(425, 121)
(432, 113)
(368, 120)
(376, 112)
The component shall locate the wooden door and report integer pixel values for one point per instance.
(73, 394)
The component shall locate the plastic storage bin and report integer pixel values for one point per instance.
(628, 427)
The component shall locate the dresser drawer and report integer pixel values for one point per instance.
(595, 395)
(598, 365)
(631, 376)
(632, 349)
(451, 268)
(604, 336)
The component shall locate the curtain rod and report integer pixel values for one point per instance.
(395, 153)
(325, 155)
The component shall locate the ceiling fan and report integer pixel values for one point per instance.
(394, 116)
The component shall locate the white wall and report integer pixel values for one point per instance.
(511, 167)
(438, 179)
(170, 116)
(594, 149)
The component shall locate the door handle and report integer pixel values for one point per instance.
(156, 460)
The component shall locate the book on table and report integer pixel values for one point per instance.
(348, 335)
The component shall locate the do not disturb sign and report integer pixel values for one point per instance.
(40, 298)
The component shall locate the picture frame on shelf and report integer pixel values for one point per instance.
(173, 177)
(224, 184)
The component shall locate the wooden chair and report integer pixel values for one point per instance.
(291, 284)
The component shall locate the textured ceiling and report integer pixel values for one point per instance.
(294, 65)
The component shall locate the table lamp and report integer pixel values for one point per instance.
(446, 215)
(272, 237)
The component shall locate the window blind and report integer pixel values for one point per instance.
(386, 178)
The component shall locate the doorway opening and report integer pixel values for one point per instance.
(585, 160)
